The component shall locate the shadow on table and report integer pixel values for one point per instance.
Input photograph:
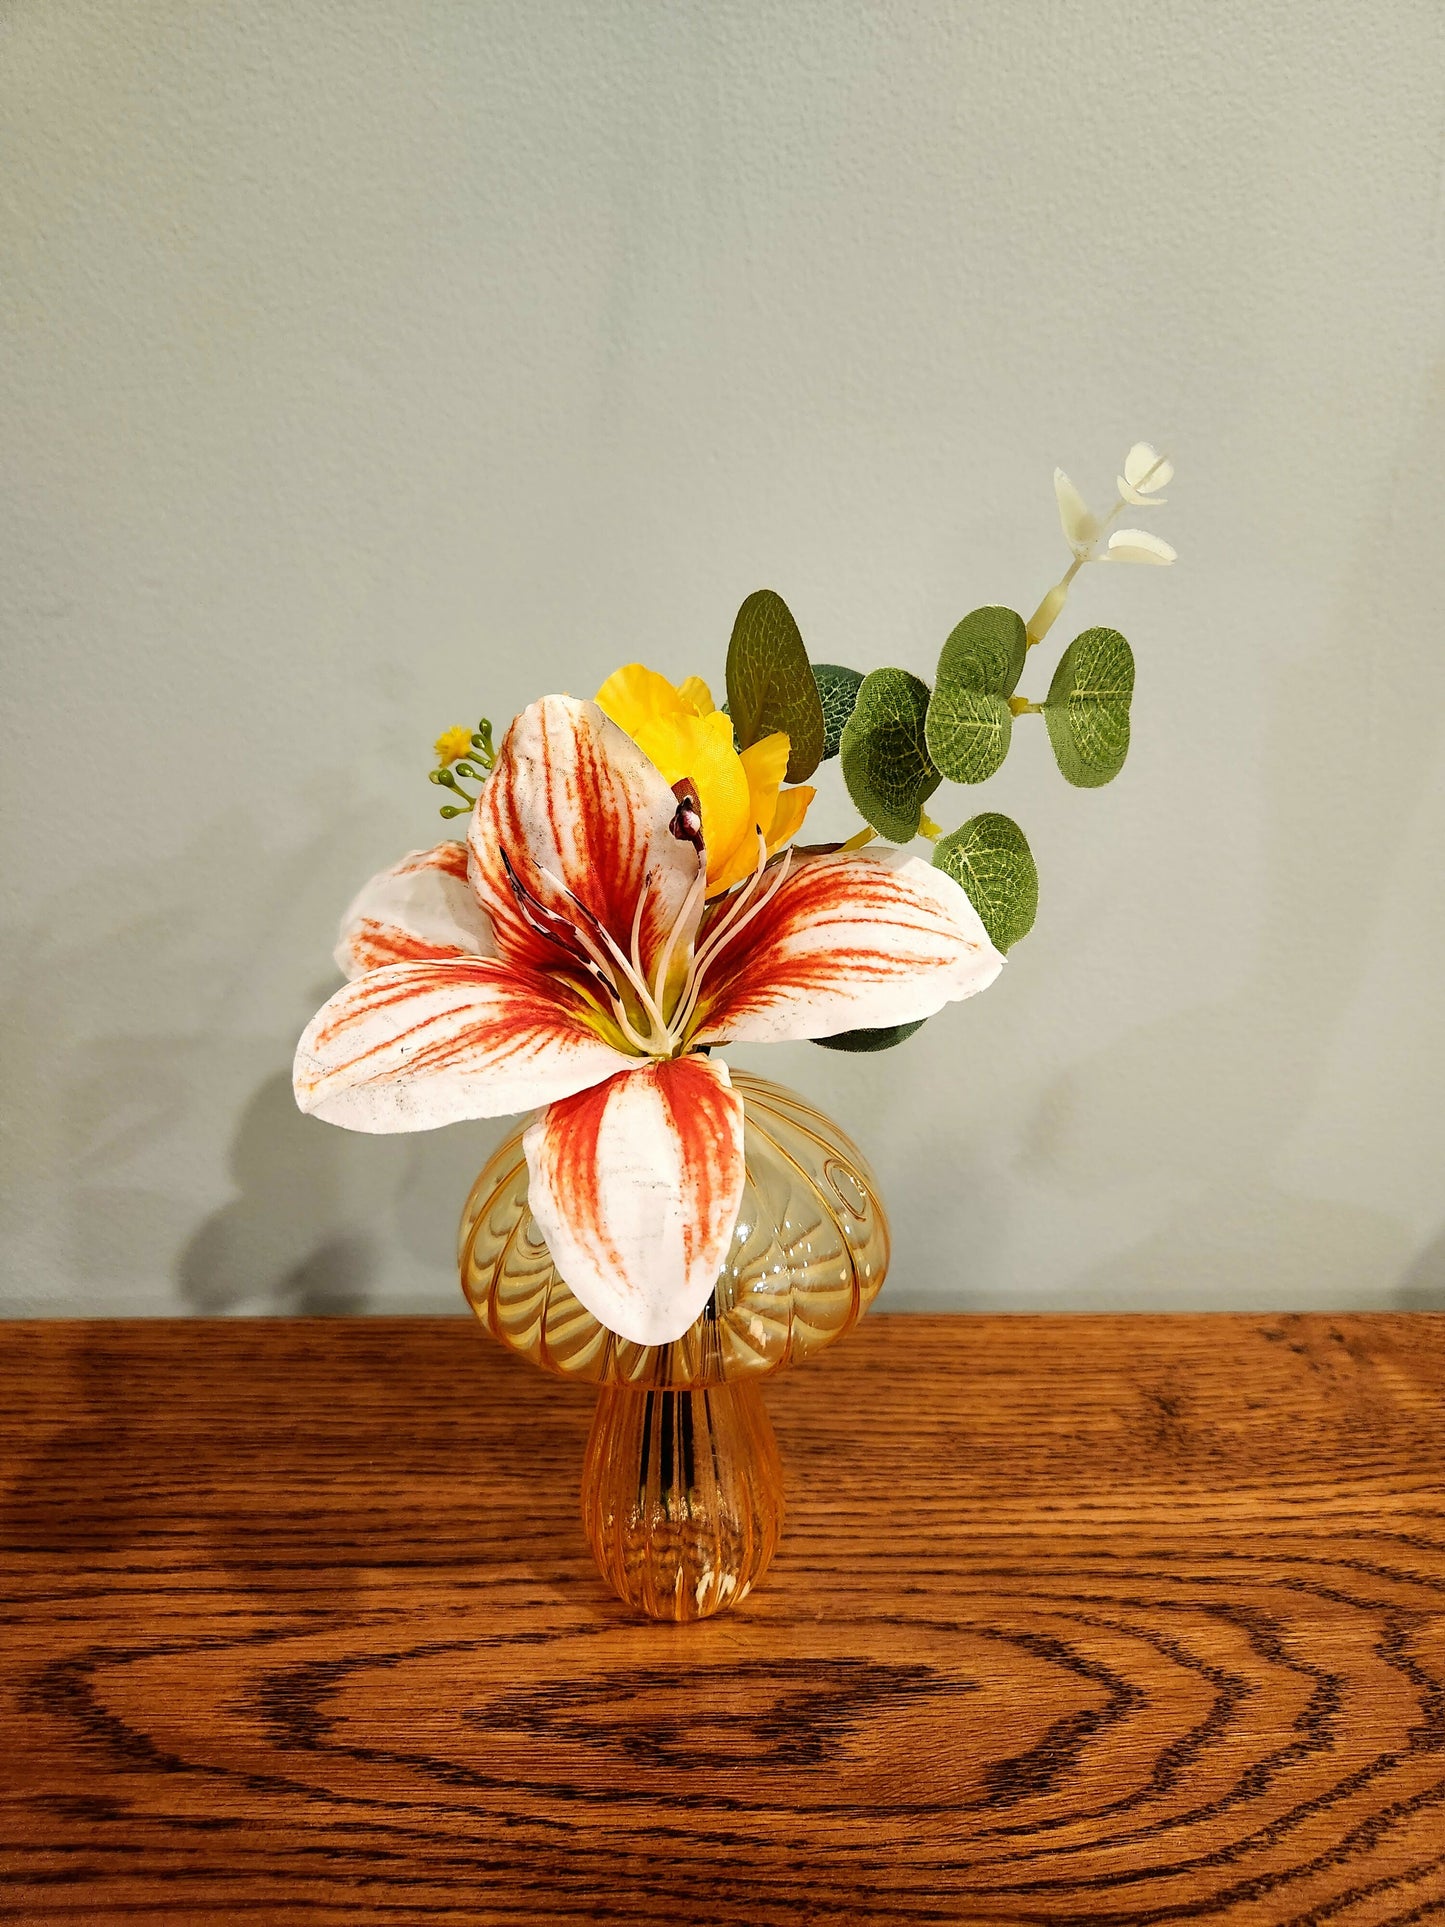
(151, 1467)
(349, 1454)
(84, 1491)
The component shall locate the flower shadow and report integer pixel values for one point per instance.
(275, 1246)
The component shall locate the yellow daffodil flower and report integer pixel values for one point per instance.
(685, 734)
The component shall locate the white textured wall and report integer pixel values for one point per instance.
(369, 365)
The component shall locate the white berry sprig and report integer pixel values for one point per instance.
(1145, 474)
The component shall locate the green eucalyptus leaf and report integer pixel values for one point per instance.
(985, 651)
(969, 731)
(838, 690)
(991, 858)
(969, 721)
(771, 686)
(883, 1039)
(1087, 707)
(885, 760)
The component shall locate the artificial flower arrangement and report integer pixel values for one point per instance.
(631, 895)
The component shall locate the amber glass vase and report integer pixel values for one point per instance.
(682, 1486)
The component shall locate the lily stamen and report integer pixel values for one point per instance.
(636, 944)
(554, 928)
(736, 920)
(659, 1034)
(684, 922)
(561, 930)
(728, 922)
(711, 954)
(617, 1014)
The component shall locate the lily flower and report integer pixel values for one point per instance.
(567, 959)
(689, 738)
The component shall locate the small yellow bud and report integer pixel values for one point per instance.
(453, 744)
(927, 827)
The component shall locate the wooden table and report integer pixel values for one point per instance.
(1107, 1620)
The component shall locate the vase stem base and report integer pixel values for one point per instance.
(682, 1496)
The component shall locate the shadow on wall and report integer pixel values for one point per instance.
(131, 1036)
(1212, 1101)
(1423, 1286)
(276, 1239)
(314, 1207)
(278, 1246)
(133, 1042)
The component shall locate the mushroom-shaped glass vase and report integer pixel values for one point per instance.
(682, 1486)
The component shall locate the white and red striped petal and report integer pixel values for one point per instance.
(574, 806)
(636, 1186)
(852, 940)
(421, 909)
(422, 1044)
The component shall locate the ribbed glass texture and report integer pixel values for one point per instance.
(682, 1488)
(682, 1496)
(808, 1255)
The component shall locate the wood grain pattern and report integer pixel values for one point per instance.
(1104, 1620)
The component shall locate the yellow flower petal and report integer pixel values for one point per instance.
(700, 748)
(788, 817)
(694, 694)
(681, 732)
(766, 764)
(740, 862)
(635, 695)
(792, 807)
(763, 765)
